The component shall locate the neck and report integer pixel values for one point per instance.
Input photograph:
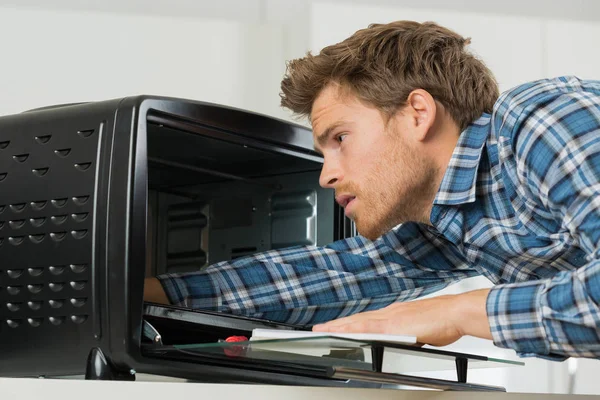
(440, 149)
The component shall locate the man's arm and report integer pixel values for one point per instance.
(308, 285)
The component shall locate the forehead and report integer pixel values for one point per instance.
(335, 104)
(331, 104)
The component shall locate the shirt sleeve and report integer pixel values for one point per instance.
(557, 155)
(309, 285)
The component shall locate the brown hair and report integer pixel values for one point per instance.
(382, 64)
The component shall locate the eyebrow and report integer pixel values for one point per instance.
(322, 139)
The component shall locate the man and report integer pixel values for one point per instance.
(445, 180)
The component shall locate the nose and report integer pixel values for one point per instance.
(330, 174)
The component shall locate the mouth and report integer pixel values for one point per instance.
(345, 200)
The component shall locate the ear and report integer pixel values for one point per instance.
(421, 107)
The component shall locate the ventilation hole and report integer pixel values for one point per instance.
(21, 157)
(1, 241)
(76, 217)
(13, 290)
(56, 270)
(43, 139)
(56, 320)
(16, 240)
(58, 236)
(38, 205)
(4, 144)
(37, 222)
(62, 152)
(13, 323)
(78, 319)
(78, 268)
(35, 288)
(35, 271)
(56, 287)
(34, 322)
(58, 219)
(34, 305)
(3, 176)
(79, 285)
(15, 306)
(1, 224)
(59, 203)
(40, 171)
(83, 166)
(85, 133)
(17, 224)
(17, 207)
(37, 239)
(79, 234)
(80, 200)
(2, 209)
(56, 303)
(14, 273)
(78, 302)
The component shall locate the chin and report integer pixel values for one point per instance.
(369, 232)
(373, 230)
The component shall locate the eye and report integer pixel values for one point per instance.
(340, 138)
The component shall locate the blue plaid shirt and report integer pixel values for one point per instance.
(519, 203)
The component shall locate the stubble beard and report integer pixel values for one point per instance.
(401, 190)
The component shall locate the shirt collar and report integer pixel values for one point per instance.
(459, 182)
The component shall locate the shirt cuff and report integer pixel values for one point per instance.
(515, 316)
(195, 290)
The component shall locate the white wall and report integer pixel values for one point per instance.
(51, 57)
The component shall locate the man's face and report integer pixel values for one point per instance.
(378, 175)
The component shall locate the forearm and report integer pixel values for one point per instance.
(154, 292)
(471, 315)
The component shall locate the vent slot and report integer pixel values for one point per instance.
(17, 208)
(58, 219)
(21, 158)
(38, 205)
(58, 236)
(43, 139)
(83, 166)
(37, 222)
(14, 273)
(80, 200)
(18, 224)
(39, 172)
(80, 234)
(86, 133)
(16, 240)
(62, 153)
(59, 203)
(80, 217)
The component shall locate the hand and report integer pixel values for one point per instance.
(438, 321)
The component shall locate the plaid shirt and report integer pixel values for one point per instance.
(519, 203)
